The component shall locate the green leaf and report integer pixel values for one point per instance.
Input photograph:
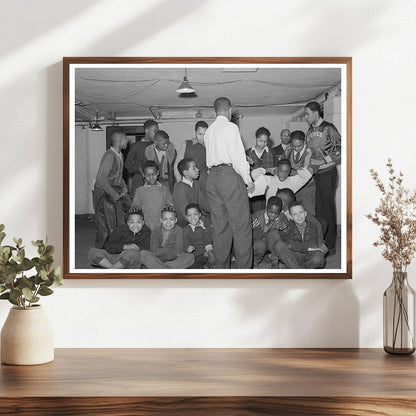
(25, 282)
(8, 277)
(49, 250)
(45, 291)
(1, 227)
(17, 241)
(15, 294)
(56, 276)
(43, 275)
(37, 243)
(21, 255)
(14, 302)
(2, 236)
(27, 293)
(5, 295)
(2, 288)
(26, 264)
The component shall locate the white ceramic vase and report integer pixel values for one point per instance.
(27, 337)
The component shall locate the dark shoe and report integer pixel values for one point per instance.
(332, 251)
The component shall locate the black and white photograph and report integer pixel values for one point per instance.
(214, 169)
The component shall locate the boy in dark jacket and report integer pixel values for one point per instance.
(122, 249)
(197, 238)
(268, 227)
(303, 240)
(166, 244)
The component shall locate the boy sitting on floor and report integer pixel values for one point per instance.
(268, 227)
(122, 249)
(307, 250)
(166, 244)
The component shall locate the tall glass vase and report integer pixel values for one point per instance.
(399, 316)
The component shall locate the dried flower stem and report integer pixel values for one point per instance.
(396, 216)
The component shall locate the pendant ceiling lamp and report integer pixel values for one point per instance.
(185, 87)
(96, 126)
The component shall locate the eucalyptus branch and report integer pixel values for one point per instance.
(17, 285)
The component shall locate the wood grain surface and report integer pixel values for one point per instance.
(212, 382)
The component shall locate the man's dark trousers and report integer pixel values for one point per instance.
(230, 214)
(326, 186)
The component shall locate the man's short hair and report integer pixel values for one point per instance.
(298, 135)
(116, 133)
(184, 165)
(150, 164)
(149, 123)
(296, 204)
(286, 192)
(282, 162)
(201, 123)
(274, 200)
(193, 205)
(314, 106)
(262, 131)
(285, 130)
(222, 105)
(161, 134)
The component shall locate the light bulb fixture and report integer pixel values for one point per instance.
(96, 126)
(185, 87)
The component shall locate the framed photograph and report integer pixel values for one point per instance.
(217, 168)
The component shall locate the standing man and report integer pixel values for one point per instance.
(227, 186)
(136, 156)
(281, 151)
(324, 138)
(110, 190)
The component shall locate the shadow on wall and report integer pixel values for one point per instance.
(300, 313)
(45, 16)
(328, 17)
(157, 18)
(136, 30)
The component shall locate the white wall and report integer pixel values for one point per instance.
(378, 34)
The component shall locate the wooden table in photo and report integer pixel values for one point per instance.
(212, 382)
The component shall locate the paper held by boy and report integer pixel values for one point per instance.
(260, 182)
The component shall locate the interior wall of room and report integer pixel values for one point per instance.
(378, 34)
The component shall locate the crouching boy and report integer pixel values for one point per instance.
(306, 248)
(197, 238)
(268, 227)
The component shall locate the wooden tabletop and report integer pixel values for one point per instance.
(237, 377)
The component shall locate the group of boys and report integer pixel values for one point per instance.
(190, 206)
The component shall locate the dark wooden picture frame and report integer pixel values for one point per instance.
(342, 92)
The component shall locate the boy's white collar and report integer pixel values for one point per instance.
(187, 181)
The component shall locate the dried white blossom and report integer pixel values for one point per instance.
(396, 216)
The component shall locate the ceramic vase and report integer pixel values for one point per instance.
(27, 337)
